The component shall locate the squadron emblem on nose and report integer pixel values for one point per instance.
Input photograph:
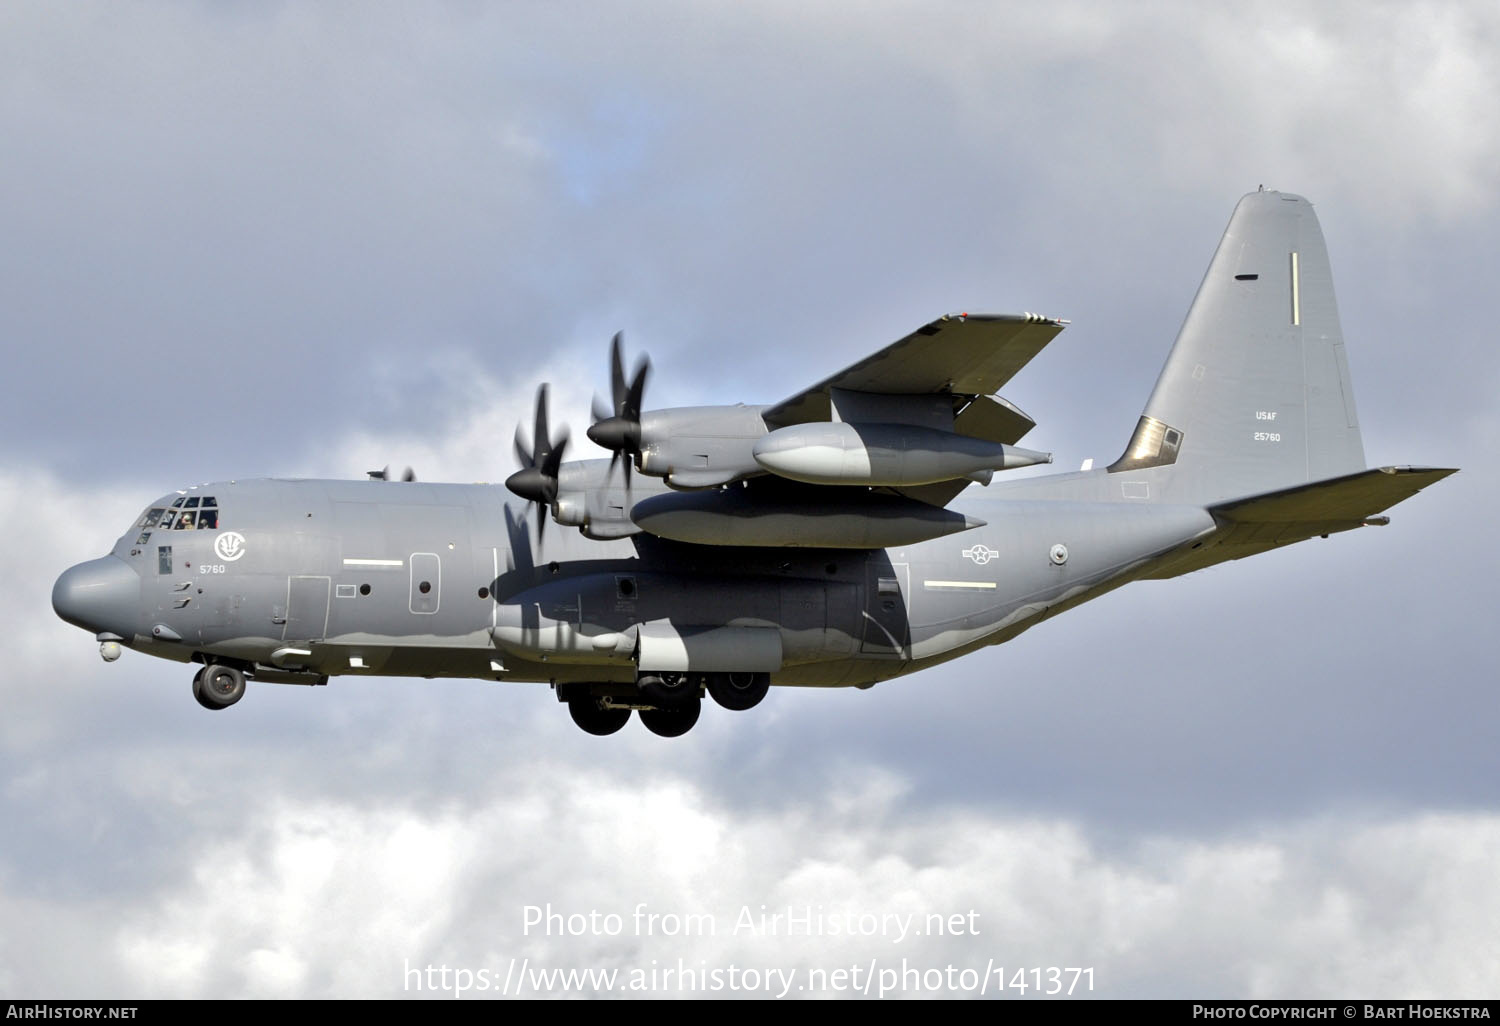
(980, 554)
(229, 546)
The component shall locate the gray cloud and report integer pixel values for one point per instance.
(262, 908)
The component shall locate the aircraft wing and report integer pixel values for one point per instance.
(963, 354)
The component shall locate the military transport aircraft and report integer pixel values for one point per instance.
(810, 542)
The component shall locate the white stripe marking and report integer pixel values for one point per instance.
(959, 584)
(373, 562)
(1296, 292)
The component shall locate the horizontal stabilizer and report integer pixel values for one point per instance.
(1257, 523)
(1350, 498)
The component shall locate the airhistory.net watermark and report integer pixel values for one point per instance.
(522, 977)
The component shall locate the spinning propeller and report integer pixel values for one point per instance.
(619, 430)
(384, 474)
(537, 478)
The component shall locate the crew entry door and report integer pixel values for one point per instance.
(306, 608)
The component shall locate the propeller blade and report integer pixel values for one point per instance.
(552, 462)
(617, 370)
(632, 409)
(541, 438)
(619, 429)
(600, 410)
(409, 475)
(540, 462)
(523, 451)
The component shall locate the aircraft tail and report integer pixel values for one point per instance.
(1255, 396)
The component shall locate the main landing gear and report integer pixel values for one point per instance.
(739, 691)
(218, 687)
(669, 704)
(598, 716)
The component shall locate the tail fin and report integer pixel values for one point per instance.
(1255, 395)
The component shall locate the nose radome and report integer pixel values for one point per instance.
(101, 595)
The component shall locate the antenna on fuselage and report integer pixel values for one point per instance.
(384, 474)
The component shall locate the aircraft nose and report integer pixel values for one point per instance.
(101, 595)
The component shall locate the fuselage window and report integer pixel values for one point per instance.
(152, 517)
(164, 559)
(208, 519)
(177, 502)
(192, 502)
(187, 521)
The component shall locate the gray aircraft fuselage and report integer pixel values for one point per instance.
(415, 579)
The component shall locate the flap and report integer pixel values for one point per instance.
(993, 419)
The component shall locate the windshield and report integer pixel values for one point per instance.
(186, 513)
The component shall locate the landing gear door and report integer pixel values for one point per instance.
(306, 609)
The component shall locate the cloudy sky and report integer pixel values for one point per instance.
(289, 239)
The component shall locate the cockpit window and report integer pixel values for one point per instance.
(185, 514)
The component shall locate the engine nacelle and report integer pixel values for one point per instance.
(839, 453)
(591, 496)
(700, 446)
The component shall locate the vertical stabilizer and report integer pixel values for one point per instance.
(1255, 395)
